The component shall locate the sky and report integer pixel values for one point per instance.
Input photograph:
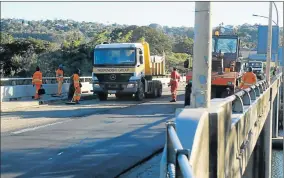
(141, 13)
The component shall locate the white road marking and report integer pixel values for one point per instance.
(35, 128)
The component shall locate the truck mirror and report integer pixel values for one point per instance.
(186, 63)
(141, 59)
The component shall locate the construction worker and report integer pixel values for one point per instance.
(188, 90)
(59, 78)
(175, 78)
(77, 86)
(37, 81)
(71, 88)
(248, 79)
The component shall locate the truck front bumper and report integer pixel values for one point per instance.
(115, 88)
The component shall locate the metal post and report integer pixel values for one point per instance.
(269, 39)
(268, 123)
(201, 83)
(276, 55)
(283, 80)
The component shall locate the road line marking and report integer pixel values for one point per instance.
(35, 128)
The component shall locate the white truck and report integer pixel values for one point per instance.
(126, 69)
(257, 66)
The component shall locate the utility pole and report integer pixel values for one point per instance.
(269, 39)
(201, 77)
(283, 80)
(268, 122)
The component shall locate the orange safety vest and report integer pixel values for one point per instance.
(37, 78)
(175, 76)
(59, 75)
(248, 79)
(76, 80)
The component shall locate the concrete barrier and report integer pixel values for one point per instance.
(9, 93)
(17, 92)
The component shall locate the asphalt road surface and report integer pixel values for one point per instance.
(87, 143)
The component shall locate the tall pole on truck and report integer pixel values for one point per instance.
(201, 77)
(269, 39)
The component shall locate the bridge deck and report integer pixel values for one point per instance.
(115, 132)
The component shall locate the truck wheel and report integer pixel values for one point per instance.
(102, 96)
(160, 91)
(139, 95)
(147, 95)
(118, 96)
(155, 93)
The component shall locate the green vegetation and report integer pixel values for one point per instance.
(26, 44)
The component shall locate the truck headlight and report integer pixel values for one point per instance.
(96, 85)
(131, 85)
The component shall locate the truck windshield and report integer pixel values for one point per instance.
(114, 57)
(226, 45)
(255, 64)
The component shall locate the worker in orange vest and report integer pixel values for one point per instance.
(248, 79)
(59, 78)
(77, 86)
(37, 81)
(175, 78)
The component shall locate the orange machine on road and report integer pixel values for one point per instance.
(227, 65)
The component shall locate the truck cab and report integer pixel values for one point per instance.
(257, 66)
(227, 66)
(123, 69)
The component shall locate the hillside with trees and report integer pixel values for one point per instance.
(26, 44)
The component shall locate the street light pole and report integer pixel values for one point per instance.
(277, 24)
(283, 80)
(268, 123)
(276, 55)
(201, 78)
(269, 40)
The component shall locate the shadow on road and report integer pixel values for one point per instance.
(89, 109)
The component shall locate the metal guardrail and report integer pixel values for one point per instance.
(178, 158)
(45, 80)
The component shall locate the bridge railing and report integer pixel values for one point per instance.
(221, 140)
(178, 162)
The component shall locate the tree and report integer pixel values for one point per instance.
(6, 38)
(184, 45)
(157, 40)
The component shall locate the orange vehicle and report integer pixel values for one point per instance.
(227, 66)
